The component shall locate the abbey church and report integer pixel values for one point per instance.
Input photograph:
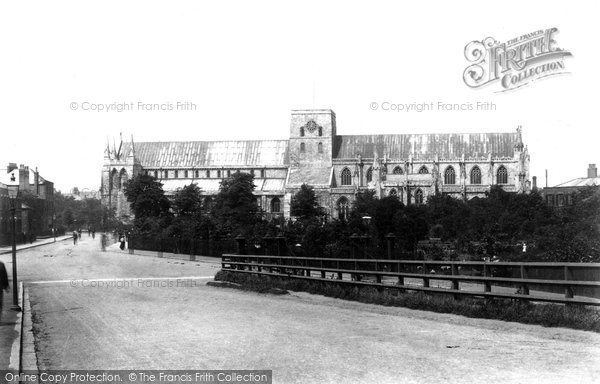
(408, 166)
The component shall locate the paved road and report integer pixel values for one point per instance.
(113, 323)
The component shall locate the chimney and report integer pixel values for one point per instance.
(592, 171)
(534, 178)
(23, 178)
(36, 181)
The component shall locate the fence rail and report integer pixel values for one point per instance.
(418, 275)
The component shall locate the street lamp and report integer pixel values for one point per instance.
(367, 220)
(13, 193)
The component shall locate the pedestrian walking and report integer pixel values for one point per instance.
(122, 240)
(93, 233)
(79, 233)
(74, 237)
(3, 284)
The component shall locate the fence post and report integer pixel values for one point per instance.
(400, 278)
(487, 286)
(131, 244)
(524, 287)
(425, 279)
(390, 237)
(455, 285)
(322, 270)
(241, 245)
(568, 289)
(159, 253)
(354, 244)
(192, 257)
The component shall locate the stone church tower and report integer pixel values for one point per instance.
(310, 148)
(120, 165)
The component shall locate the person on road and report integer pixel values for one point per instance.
(3, 284)
(122, 240)
(74, 237)
(93, 233)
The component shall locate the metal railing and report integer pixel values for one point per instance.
(472, 278)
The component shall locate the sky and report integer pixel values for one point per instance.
(245, 65)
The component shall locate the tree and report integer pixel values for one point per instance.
(234, 209)
(148, 203)
(187, 201)
(187, 206)
(305, 205)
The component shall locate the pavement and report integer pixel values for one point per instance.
(37, 243)
(113, 310)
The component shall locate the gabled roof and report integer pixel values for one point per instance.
(196, 154)
(426, 146)
(580, 182)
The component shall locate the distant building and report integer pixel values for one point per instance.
(408, 166)
(562, 194)
(34, 206)
(82, 194)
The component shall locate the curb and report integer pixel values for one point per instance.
(28, 355)
(35, 245)
(14, 364)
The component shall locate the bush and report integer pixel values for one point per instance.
(548, 315)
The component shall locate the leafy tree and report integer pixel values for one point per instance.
(148, 203)
(234, 209)
(146, 196)
(305, 205)
(187, 206)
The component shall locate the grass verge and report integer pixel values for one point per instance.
(548, 315)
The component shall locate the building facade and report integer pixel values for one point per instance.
(410, 166)
(34, 206)
(562, 194)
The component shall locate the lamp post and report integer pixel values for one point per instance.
(53, 226)
(13, 193)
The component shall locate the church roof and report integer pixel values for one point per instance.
(426, 146)
(190, 154)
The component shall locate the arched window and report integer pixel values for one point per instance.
(197, 173)
(123, 177)
(369, 174)
(502, 176)
(116, 179)
(185, 174)
(423, 170)
(419, 197)
(166, 174)
(176, 174)
(346, 177)
(320, 147)
(218, 173)
(302, 147)
(208, 173)
(393, 192)
(475, 175)
(449, 176)
(229, 173)
(398, 170)
(302, 131)
(343, 208)
(275, 205)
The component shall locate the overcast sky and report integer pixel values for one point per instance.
(246, 64)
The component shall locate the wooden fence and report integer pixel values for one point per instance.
(472, 278)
